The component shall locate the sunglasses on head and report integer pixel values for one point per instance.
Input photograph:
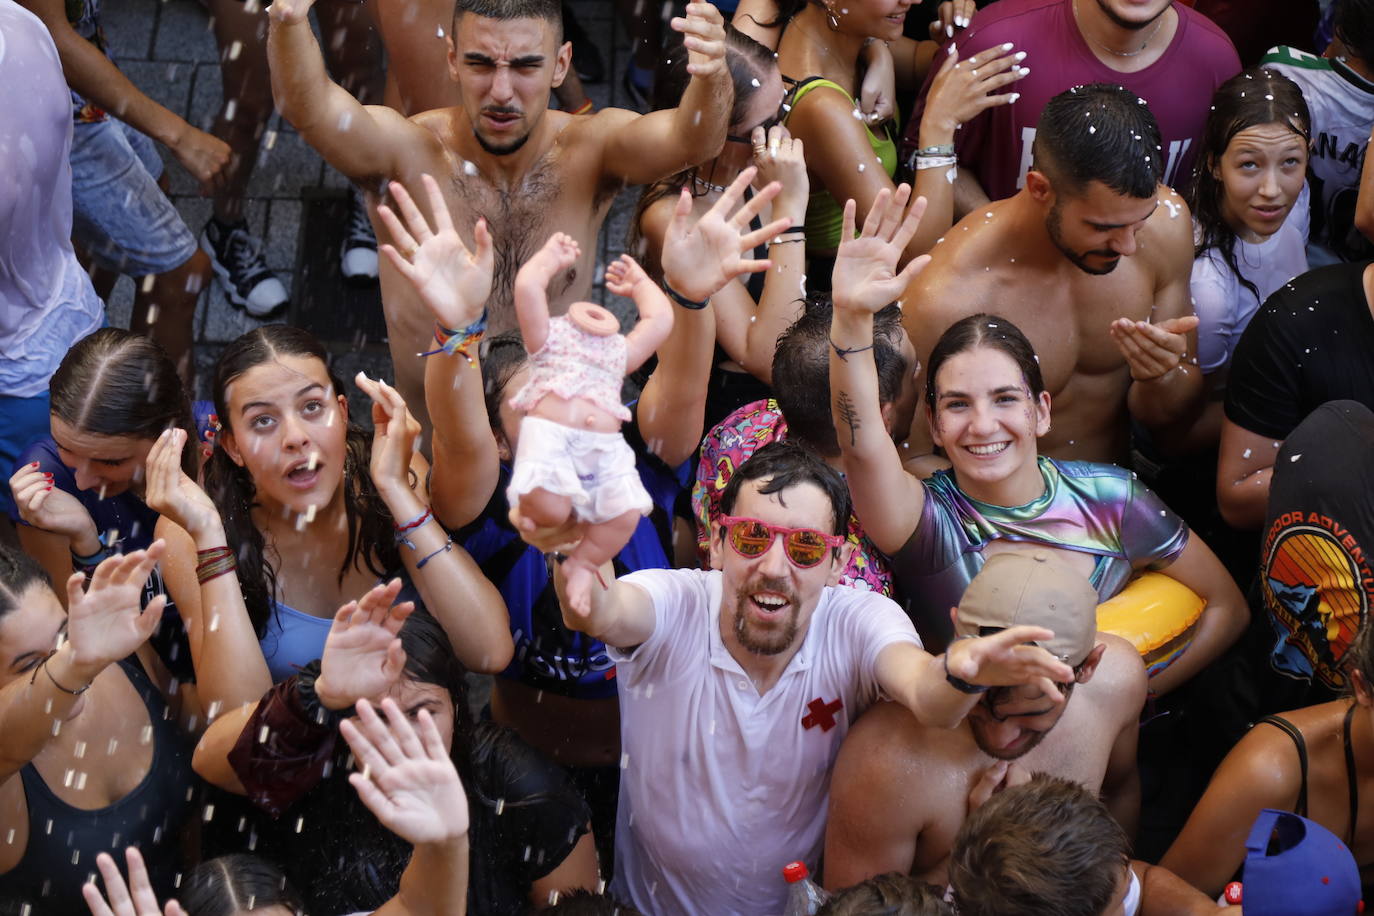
(752, 538)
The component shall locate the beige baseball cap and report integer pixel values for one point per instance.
(1032, 588)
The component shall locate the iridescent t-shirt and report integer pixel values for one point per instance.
(1098, 509)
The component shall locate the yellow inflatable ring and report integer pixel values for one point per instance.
(1157, 615)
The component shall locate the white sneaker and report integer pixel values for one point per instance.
(358, 254)
(236, 257)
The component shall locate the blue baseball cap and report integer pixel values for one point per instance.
(1296, 867)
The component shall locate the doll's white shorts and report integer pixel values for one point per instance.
(596, 469)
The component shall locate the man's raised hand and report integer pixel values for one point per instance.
(453, 282)
(703, 35)
(1004, 659)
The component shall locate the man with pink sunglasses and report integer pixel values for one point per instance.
(738, 683)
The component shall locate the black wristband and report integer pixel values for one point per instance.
(683, 301)
(315, 711)
(960, 684)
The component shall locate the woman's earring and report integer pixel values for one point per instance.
(831, 19)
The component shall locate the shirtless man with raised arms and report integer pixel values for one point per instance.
(501, 156)
(902, 790)
(1091, 259)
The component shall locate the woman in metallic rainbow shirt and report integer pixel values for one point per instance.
(986, 404)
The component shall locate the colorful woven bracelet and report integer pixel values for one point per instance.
(214, 563)
(458, 341)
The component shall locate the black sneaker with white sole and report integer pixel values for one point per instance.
(236, 257)
(358, 253)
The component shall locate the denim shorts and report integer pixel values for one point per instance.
(121, 216)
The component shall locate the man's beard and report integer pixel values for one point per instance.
(771, 642)
(505, 150)
(1126, 23)
(1054, 226)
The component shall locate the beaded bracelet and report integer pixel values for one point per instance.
(447, 546)
(458, 341)
(683, 301)
(214, 562)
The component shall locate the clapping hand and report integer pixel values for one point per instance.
(170, 492)
(865, 277)
(362, 653)
(408, 780)
(394, 433)
(703, 35)
(133, 899)
(104, 621)
(781, 157)
(1005, 660)
(452, 281)
(1153, 350)
(44, 506)
(700, 258)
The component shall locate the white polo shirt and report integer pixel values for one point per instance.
(721, 786)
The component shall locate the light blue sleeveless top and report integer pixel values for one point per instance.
(293, 639)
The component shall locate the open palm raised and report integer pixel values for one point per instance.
(362, 654)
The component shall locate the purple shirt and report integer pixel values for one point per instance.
(996, 145)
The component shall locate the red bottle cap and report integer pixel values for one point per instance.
(1233, 893)
(794, 872)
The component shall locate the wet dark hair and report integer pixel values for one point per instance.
(1355, 27)
(1048, 846)
(582, 902)
(551, 11)
(370, 539)
(502, 356)
(748, 61)
(984, 330)
(786, 464)
(118, 383)
(1249, 99)
(1122, 150)
(892, 894)
(230, 884)
(801, 371)
(1359, 657)
(18, 573)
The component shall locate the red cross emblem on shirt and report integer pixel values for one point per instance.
(822, 714)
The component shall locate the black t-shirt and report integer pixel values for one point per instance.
(1311, 342)
(1315, 572)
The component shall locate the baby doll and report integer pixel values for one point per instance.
(570, 458)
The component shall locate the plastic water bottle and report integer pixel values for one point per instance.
(804, 896)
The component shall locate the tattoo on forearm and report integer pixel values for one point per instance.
(848, 414)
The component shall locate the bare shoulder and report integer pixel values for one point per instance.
(1166, 240)
(437, 129)
(883, 748)
(1120, 679)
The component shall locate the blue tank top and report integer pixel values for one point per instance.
(63, 840)
(293, 639)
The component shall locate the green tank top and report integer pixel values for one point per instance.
(824, 214)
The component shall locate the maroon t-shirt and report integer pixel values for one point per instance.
(996, 145)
